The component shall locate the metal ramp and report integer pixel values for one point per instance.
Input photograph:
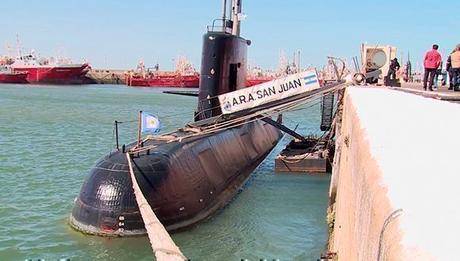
(327, 111)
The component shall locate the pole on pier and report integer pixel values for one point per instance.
(161, 242)
(116, 134)
(139, 129)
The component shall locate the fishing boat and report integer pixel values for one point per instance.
(257, 75)
(50, 71)
(7, 75)
(184, 76)
(251, 81)
(168, 80)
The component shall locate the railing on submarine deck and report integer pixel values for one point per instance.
(203, 112)
(225, 24)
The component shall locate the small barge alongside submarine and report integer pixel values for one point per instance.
(185, 176)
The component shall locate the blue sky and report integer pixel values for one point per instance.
(119, 33)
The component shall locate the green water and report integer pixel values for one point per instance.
(50, 136)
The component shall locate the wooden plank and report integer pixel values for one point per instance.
(308, 165)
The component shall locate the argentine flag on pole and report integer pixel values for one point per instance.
(150, 123)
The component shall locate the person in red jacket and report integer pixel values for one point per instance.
(431, 62)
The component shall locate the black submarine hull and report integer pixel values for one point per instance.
(184, 182)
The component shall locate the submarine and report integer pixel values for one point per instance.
(189, 174)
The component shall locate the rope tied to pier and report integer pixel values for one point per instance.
(393, 215)
(161, 242)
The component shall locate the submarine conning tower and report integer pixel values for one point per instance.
(223, 61)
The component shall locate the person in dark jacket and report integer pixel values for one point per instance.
(436, 76)
(449, 71)
(455, 60)
(394, 66)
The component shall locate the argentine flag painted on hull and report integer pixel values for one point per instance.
(150, 123)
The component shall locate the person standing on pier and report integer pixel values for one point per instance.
(449, 70)
(436, 76)
(455, 61)
(431, 63)
(394, 67)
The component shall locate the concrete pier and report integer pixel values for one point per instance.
(395, 178)
(441, 93)
(107, 76)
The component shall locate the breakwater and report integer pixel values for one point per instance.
(107, 76)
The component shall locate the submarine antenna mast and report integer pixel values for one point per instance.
(236, 16)
(224, 14)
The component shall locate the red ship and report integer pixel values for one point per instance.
(251, 81)
(256, 75)
(50, 72)
(12, 77)
(172, 80)
(185, 76)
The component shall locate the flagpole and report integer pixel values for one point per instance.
(139, 130)
(116, 134)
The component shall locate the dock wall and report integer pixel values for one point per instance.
(107, 76)
(394, 184)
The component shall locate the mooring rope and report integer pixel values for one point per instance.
(162, 244)
(393, 215)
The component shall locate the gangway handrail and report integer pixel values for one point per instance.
(221, 28)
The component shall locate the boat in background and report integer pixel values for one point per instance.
(50, 71)
(185, 76)
(7, 75)
(257, 75)
(173, 80)
(251, 81)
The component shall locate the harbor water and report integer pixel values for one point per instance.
(50, 136)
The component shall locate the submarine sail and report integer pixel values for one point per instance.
(188, 174)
